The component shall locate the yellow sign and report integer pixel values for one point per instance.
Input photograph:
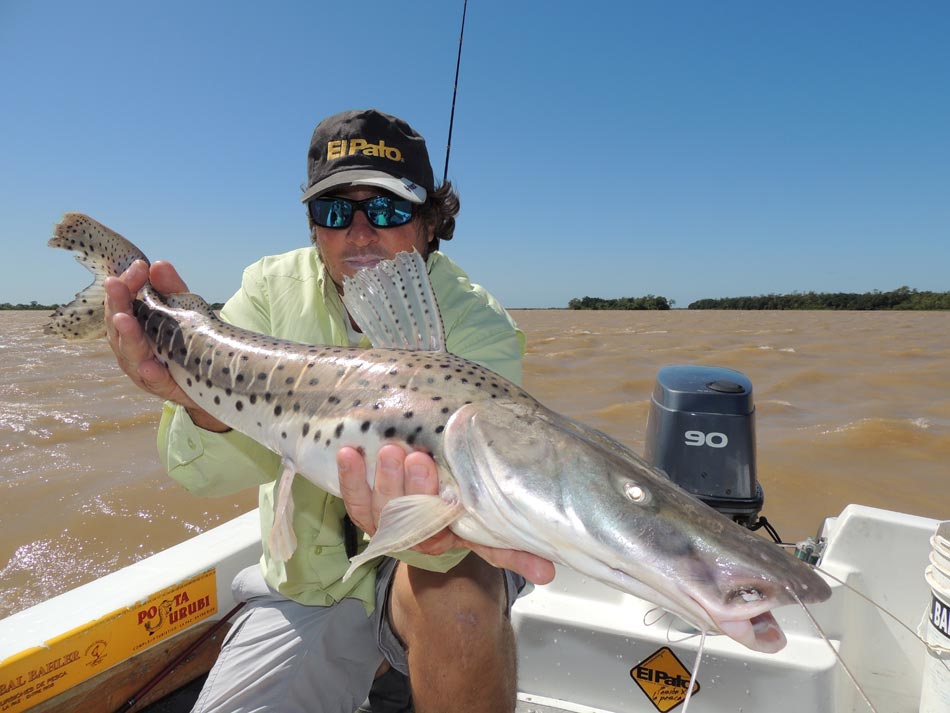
(664, 679)
(37, 674)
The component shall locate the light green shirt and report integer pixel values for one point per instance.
(291, 296)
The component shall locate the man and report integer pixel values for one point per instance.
(307, 641)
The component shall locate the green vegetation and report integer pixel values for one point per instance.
(647, 302)
(33, 305)
(902, 298)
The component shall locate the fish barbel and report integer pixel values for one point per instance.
(512, 473)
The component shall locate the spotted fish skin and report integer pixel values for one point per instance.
(302, 401)
(512, 473)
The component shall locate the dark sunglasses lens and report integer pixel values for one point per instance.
(331, 212)
(386, 212)
(381, 211)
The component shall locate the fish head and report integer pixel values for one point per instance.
(576, 496)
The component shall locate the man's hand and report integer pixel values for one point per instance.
(128, 341)
(400, 474)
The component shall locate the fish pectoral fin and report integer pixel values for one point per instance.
(404, 523)
(282, 541)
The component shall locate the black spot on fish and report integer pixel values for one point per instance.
(289, 380)
(339, 429)
(306, 429)
(253, 398)
(239, 405)
(278, 410)
(439, 429)
(407, 414)
(217, 400)
(333, 399)
(364, 427)
(390, 432)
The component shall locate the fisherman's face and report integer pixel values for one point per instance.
(361, 244)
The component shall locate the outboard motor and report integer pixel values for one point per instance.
(701, 432)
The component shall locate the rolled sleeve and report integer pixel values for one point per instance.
(211, 464)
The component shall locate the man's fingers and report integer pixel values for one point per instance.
(422, 474)
(354, 489)
(390, 479)
(165, 278)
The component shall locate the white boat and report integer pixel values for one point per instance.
(582, 647)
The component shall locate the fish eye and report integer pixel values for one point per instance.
(634, 492)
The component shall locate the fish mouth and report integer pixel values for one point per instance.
(752, 624)
(759, 633)
(745, 614)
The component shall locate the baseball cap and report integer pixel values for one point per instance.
(366, 147)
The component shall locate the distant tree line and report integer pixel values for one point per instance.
(902, 298)
(646, 302)
(33, 305)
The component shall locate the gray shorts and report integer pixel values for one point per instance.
(284, 656)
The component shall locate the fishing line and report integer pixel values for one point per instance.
(660, 612)
(881, 609)
(458, 64)
(834, 651)
(692, 676)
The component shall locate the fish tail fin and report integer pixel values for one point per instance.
(282, 541)
(104, 253)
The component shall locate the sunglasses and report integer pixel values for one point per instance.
(381, 211)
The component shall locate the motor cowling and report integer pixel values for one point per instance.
(701, 432)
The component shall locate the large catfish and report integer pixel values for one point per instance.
(513, 473)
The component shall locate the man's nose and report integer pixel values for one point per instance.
(361, 231)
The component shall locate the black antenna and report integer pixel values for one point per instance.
(458, 64)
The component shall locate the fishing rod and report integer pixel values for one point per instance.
(458, 64)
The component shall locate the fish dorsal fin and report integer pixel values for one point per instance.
(394, 305)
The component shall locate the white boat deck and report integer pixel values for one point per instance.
(580, 643)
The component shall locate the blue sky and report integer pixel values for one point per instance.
(688, 149)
